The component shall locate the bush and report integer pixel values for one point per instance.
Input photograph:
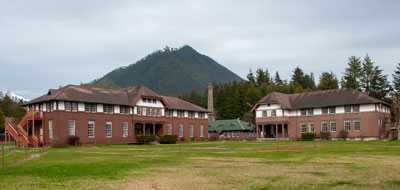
(308, 136)
(145, 138)
(325, 135)
(214, 137)
(168, 139)
(56, 143)
(343, 134)
(73, 139)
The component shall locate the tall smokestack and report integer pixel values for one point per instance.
(210, 106)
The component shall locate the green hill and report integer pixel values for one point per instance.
(171, 72)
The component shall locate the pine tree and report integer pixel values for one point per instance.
(277, 79)
(260, 77)
(351, 77)
(379, 87)
(328, 81)
(2, 122)
(367, 72)
(250, 77)
(396, 80)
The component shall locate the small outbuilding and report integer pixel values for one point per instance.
(233, 129)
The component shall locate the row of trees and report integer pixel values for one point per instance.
(235, 99)
(9, 107)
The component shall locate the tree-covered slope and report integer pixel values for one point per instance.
(172, 72)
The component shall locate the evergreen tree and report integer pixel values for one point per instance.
(396, 80)
(367, 72)
(260, 77)
(19, 113)
(379, 86)
(2, 122)
(328, 81)
(351, 77)
(8, 106)
(277, 79)
(250, 77)
(304, 81)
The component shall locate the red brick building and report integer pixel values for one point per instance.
(101, 116)
(286, 116)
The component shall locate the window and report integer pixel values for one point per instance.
(310, 111)
(108, 108)
(347, 109)
(108, 129)
(303, 111)
(357, 125)
(181, 113)
(201, 115)
(50, 128)
(303, 127)
(139, 109)
(311, 127)
(273, 113)
(90, 107)
(67, 106)
(325, 110)
(91, 129)
(144, 100)
(324, 126)
(48, 106)
(71, 127)
(154, 111)
(158, 112)
(333, 126)
(237, 134)
(180, 130)
(264, 114)
(191, 130)
(332, 109)
(233, 134)
(229, 134)
(166, 113)
(148, 111)
(224, 134)
(347, 125)
(154, 101)
(74, 106)
(143, 111)
(201, 130)
(124, 129)
(122, 109)
(169, 129)
(356, 108)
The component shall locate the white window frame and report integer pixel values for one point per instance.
(331, 126)
(191, 128)
(359, 125)
(108, 123)
(322, 126)
(237, 134)
(180, 130)
(125, 129)
(349, 125)
(309, 127)
(91, 122)
(201, 130)
(71, 128)
(303, 126)
(169, 128)
(50, 129)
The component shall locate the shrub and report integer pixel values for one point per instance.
(343, 134)
(168, 139)
(325, 135)
(214, 137)
(56, 143)
(308, 136)
(145, 138)
(73, 139)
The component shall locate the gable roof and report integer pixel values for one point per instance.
(228, 125)
(325, 98)
(179, 104)
(125, 96)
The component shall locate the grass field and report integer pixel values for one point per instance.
(213, 165)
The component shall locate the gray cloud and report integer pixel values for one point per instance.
(45, 44)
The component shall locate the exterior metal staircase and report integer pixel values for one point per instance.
(20, 131)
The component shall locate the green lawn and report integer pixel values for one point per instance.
(212, 165)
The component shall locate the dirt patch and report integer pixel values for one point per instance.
(286, 147)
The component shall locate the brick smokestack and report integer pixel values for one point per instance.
(210, 105)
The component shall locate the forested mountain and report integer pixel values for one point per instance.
(170, 72)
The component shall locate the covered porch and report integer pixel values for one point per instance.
(272, 131)
(148, 129)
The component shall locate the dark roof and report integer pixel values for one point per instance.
(125, 96)
(337, 97)
(179, 104)
(228, 125)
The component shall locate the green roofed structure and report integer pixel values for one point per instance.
(233, 129)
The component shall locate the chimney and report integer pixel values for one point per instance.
(210, 105)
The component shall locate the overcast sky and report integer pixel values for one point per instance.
(46, 44)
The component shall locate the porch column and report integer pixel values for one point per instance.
(154, 129)
(283, 130)
(263, 131)
(276, 131)
(257, 131)
(144, 128)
